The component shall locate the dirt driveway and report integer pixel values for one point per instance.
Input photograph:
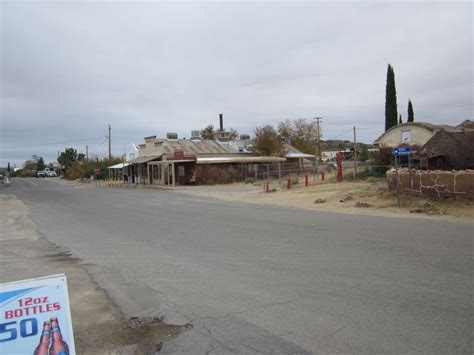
(367, 197)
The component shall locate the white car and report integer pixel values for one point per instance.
(51, 173)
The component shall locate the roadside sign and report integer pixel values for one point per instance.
(97, 171)
(35, 317)
(402, 151)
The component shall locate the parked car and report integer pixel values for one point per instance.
(51, 173)
(40, 174)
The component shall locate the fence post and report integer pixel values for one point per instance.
(288, 183)
(322, 176)
(267, 186)
(315, 172)
(256, 172)
(306, 180)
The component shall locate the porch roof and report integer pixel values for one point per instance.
(172, 161)
(300, 155)
(144, 159)
(118, 166)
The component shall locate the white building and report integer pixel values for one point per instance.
(131, 152)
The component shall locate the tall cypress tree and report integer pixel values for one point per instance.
(411, 115)
(391, 113)
(400, 120)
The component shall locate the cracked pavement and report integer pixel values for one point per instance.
(260, 279)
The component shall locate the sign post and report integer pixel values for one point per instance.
(411, 181)
(398, 180)
(35, 317)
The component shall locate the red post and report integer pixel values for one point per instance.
(288, 184)
(322, 176)
(267, 186)
(306, 180)
(340, 177)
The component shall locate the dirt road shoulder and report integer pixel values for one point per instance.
(349, 197)
(98, 324)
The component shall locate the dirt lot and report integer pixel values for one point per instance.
(367, 197)
(99, 327)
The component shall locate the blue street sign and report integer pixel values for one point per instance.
(402, 151)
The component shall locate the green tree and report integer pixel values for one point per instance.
(40, 164)
(208, 132)
(400, 120)
(391, 113)
(301, 133)
(267, 141)
(411, 115)
(31, 164)
(68, 158)
(244, 137)
(364, 154)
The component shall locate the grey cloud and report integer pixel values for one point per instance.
(69, 69)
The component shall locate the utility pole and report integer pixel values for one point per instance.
(354, 175)
(110, 145)
(87, 152)
(318, 121)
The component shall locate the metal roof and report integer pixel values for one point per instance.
(118, 166)
(194, 147)
(239, 159)
(299, 155)
(144, 159)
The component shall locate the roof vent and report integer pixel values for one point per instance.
(172, 136)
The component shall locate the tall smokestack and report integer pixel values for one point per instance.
(221, 122)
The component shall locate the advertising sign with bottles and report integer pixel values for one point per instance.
(35, 317)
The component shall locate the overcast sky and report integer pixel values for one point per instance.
(70, 69)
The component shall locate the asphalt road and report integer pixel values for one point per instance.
(261, 279)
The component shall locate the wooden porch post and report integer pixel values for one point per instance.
(173, 175)
(148, 172)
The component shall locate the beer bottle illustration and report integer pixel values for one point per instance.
(58, 345)
(42, 348)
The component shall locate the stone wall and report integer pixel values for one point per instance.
(434, 183)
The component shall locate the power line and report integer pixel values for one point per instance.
(51, 144)
(339, 135)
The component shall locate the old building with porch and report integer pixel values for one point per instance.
(172, 161)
